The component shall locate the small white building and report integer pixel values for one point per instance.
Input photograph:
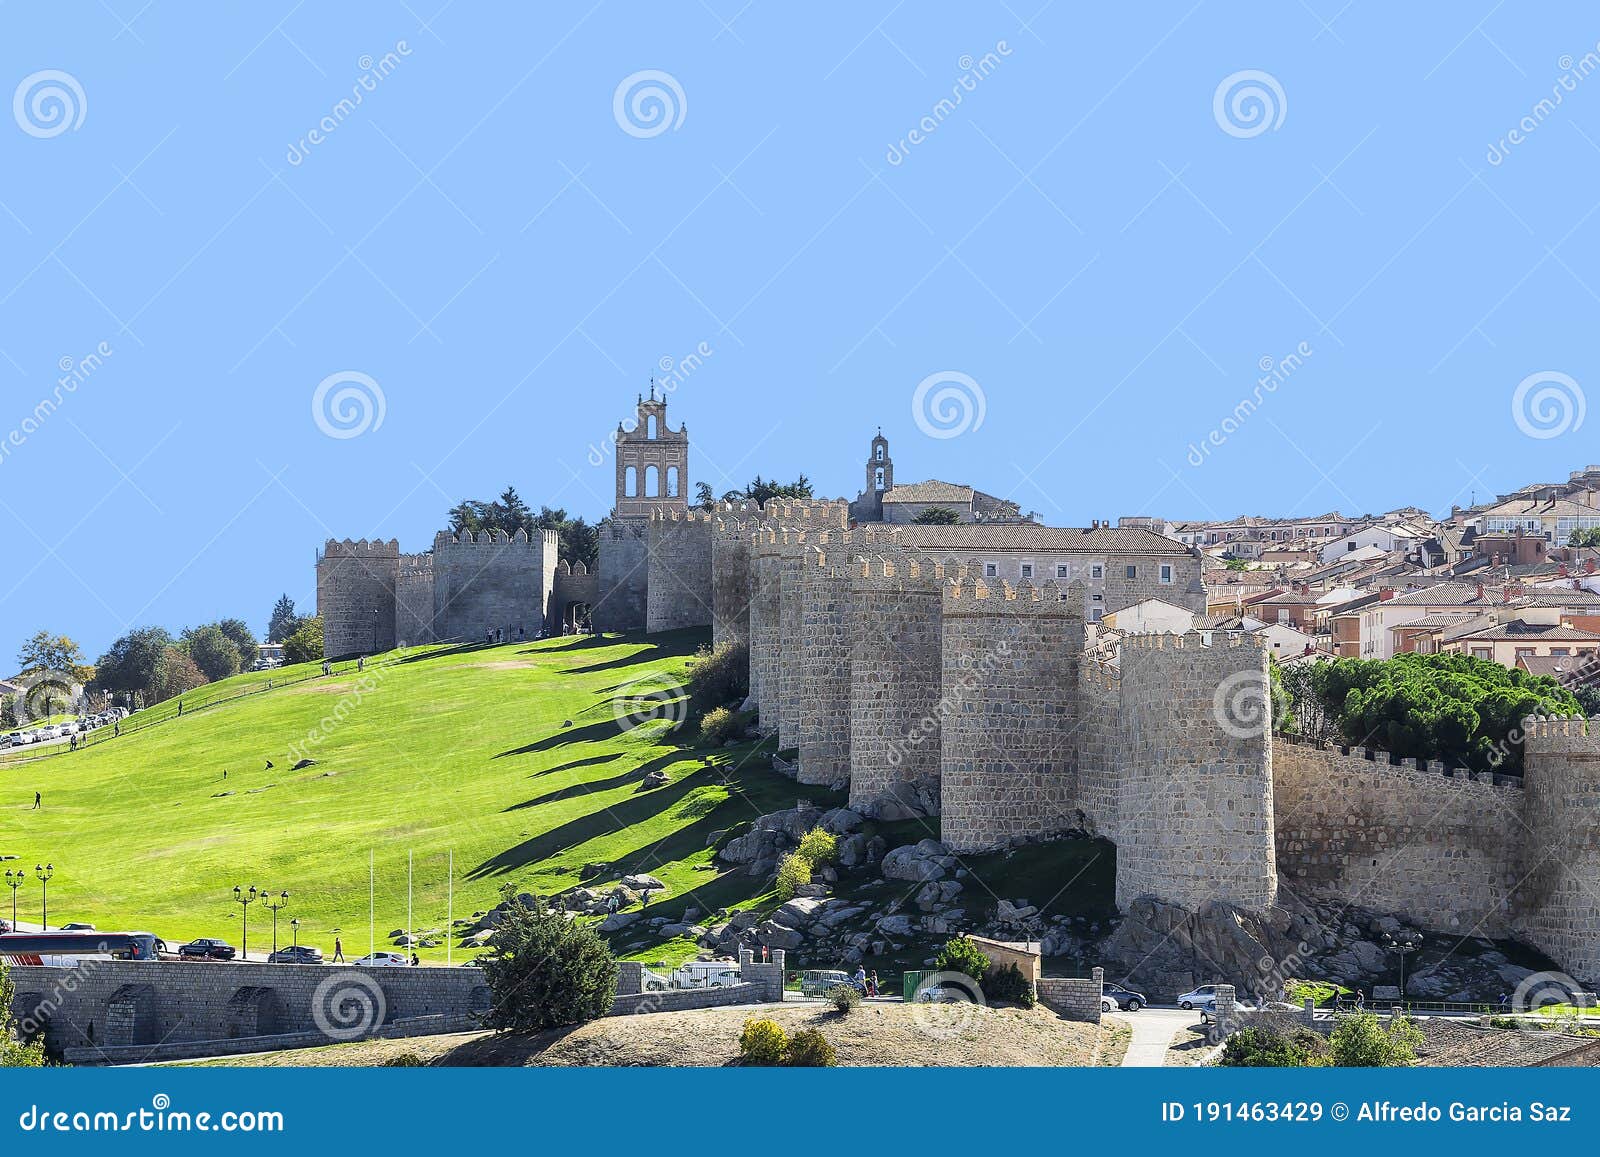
(1151, 617)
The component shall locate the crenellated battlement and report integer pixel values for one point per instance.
(1194, 641)
(545, 538)
(1382, 760)
(361, 548)
(976, 596)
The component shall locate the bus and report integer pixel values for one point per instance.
(66, 949)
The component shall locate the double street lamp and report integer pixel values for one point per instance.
(44, 872)
(244, 899)
(273, 903)
(1410, 942)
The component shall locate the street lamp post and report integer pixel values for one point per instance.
(294, 928)
(1404, 945)
(14, 881)
(244, 899)
(273, 903)
(44, 872)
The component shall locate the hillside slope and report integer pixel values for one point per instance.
(457, 750)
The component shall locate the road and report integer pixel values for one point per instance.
(1153, 1030)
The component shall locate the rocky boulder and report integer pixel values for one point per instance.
(920, 862)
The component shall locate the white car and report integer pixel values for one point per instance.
(707, 974)
(1203, 997)
(384, 960)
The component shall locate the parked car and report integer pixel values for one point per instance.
(205, 948)
(654, 981)
(384, 960)
(817, 981)
(707, 974)
(1203, 997)
(77, 927)
(304, 954)
(1114, 996)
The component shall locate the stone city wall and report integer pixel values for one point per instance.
(624, 575)
(678, 587)
(356, 596)
(1560, 900)
(492, 580)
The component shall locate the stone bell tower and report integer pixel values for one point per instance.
(880, 480)
(652, 463)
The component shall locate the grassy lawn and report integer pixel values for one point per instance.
(457, 749)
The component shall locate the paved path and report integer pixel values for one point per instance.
(1153, 1029)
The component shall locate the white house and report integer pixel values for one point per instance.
(1151, 617)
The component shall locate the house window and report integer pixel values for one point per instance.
(1166, 572)
(1097, 572)
(1027, 570)
(1098, 598)
(1096, 614)
(1133, 572)
(990, 570)
(1483, 652)
(1559, 652)
(1062, 571)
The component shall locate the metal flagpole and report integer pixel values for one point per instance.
(450, 907)
(409, 935)
(372, 901)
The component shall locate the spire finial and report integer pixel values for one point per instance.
(652, 388)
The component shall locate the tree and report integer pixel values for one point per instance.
(545, 971)
(305, 645)
(761, 489)
(213, 653)
(937, 516)
(133, 661)
(1359, 1040)
(55, 653)
(1589, 537)
(794, 872)
(579, 542)
(962, 955)
(1260, 1048)
(176, 673)
(243, 639)
(511, 512)
(704, 498)
(283, 621)
(14, 1053)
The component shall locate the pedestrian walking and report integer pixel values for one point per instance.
(872, 983)
(36, 802)
(415, 960)
(338, 950)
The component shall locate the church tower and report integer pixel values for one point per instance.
(652, 462)
(880, 480)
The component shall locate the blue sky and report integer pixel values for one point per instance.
(1092, 243)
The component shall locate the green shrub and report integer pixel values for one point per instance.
(1359, 1040)
(763, 1042)
(1259, 1048)
(405, 1061)
(718, 676)
(15, 1054)
(809, 1049)
(545, 971)
(305, 645)
(719, 725)
(963, 956)
(844, 997)
(1008, 986)
(819, 847)
(793, 870)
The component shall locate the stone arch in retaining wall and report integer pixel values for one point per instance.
(132, 1017)
(30, 1014)
(254, 1010)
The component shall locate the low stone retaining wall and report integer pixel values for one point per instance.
(196, 1050)
(681, 999)
(1073, 997)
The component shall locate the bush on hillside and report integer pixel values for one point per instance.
(846, 998)
(963, 956)
(793, 871)
(818, 847)
(809, 1049)
(305, 645)
(1259, 1048)
(1008, 986)
(762, 1042)
(545, 971)
(1360, 1040)
(176, 674)
(214, 653)
(718, 677)
(719, 725)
